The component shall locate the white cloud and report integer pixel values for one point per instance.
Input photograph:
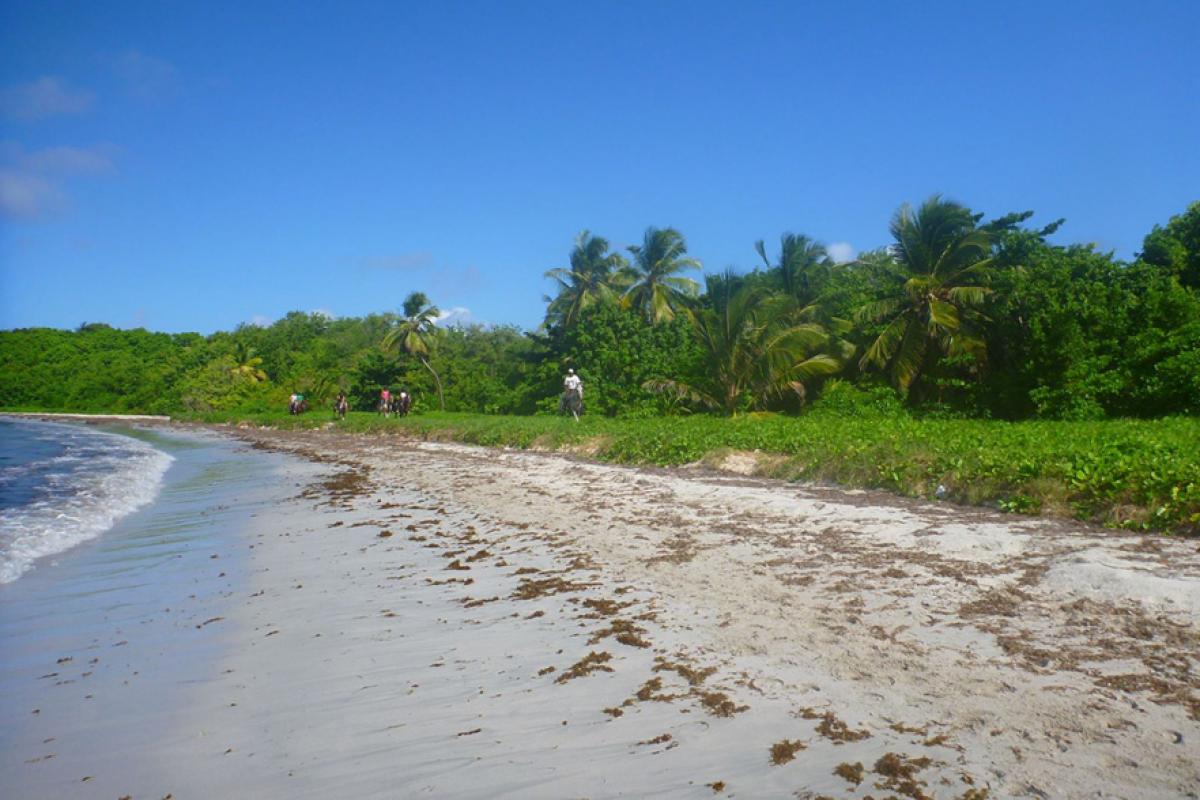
(25, 196)
(32, 182)
(323, 312)
(60, 160)
(459, 315)
(841, 252)
(46, 97)
(146, 77)
(259, 321)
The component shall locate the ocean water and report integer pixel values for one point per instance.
(110, 631)
(62, 485)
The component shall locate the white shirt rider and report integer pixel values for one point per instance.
(572, 382)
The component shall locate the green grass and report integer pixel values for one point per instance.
(1139, 474)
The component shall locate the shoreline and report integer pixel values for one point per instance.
(470, 622)
(55, 416)
(105, 643)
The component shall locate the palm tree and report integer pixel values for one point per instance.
(593, 277)
(803, 266)
(657, 290)
(247, 363)
(414, 335)
(938, 262)
(754, 352)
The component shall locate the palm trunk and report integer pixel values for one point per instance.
(438, 381)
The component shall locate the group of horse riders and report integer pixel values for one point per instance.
(400, 404)
(388, 404)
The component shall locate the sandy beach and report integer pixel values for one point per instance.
(431, 619)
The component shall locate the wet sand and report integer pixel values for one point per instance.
(447, 621)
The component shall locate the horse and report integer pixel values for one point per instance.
(297, 407)
(572, 401)
(385, 405)
(403, 403)
(340, 407)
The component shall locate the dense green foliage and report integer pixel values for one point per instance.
(961, 317)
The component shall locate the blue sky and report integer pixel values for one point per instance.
(192, 166)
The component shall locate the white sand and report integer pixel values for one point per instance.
(1024, 657)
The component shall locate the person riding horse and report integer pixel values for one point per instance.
(385, 402)
(403, 403)
(340, 406)
(297, 404)
(572, 396)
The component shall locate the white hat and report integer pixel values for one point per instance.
(570, 372)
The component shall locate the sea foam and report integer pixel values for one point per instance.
(95, 479)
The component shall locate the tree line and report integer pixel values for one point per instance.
(959, 315)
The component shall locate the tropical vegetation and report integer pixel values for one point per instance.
(961, 317)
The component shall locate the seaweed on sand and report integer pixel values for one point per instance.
(592, 662)
(784, 751)
(900, 775)
(626, 633)
(838, 731)
(851, 772)
(531, 589)
(719, 704)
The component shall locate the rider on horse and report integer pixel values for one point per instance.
(572, 396)
(571, 383)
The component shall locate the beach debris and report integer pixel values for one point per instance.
(838, 731)
(899, 774)
(661, 739)
(694, 677)
(384, 534)
(652, 690)
(719, 704)
(530, 588)
(624, 631)
(592, 662)
(602, 607)
(469, 733)
(784, 751)
(851, 772)
(716, 786)
(456, 564)
(210, 621)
